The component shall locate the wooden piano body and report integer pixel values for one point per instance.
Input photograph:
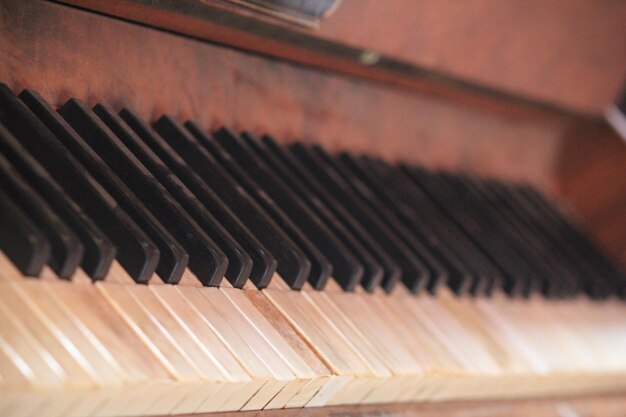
(531, 111)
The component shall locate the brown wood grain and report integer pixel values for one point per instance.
(591, 178)
(64, 52)
(568, 53)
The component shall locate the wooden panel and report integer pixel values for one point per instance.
(568, 52)
(591, 179)
(97, 58)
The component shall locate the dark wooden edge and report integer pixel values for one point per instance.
(588, 406)
(224, 24)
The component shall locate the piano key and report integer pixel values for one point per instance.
(321, 377)
(279, 378)
(66, 251)
(25, 364)
(292, 264)
(380, 379)
(406, 371)
(411, 269)
(367, 264)
(344, 265)
(455, 334)
(40, 369)
(299, 368)
(416, 272)
(165, 339)
(411, 199)
(370, 252)
(548, 278)
(414, 221)
(482, 276)
(173, 258)
(464, 310)
(565, 275)
(580, 242)
(264, 264)
(379, 385)
(229, 331)
(389, 380)
(99, 251)
(206, 259)
(213, 381)
(38, 297)
(239, 384)
(319, 332)
(239, 262)
(121, 347)
(20, 239)
(321, 269)
(515, 282)
(372, 192)
(595, 288)
(34, 322)
(135, 250)
(425, 346)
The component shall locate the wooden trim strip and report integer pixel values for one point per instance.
(224, 24)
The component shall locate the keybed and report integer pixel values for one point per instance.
(175, 270)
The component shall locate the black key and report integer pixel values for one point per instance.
(435, 226)
(263, 263)
(377, 262)
(407, 225)
(206, 259)
(66, 249)
(173, 258)
(293, 265)
(559, 274)
(345, 267)
(432, 273)
(99, 251)
(239, 262)
(321, 269)
(23, 243)
(461, 211)
(581, 244)
(135, 250)
(544, 276)
(537, 225)
(366, 264)
(321, 166)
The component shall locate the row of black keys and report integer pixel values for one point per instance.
(81, 187)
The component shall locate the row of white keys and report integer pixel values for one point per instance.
(371, 324)
(353, 378)
(171, 378)
(225, 318)
(322, 376)
(196, 325)
(349, 333)
(39, 339)
(117, 348)
(42, 350)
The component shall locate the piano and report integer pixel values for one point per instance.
(312, 208)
